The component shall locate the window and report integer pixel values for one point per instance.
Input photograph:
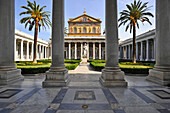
(75, 30)
(94, 30)
(84, 30)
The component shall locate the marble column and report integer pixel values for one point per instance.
(8, 71)
(129, 51)
(27, 50)
(100, 50)
(154, 49)
(147, 50)
(161, 72)
(15, 52)
(94, 51)
(123, 53)
(22, 50)
(137, 51)
(141, 57)
(88, 49)
(81, 50)
(42, 54)
(57, 76)
(69, 50)
(32, 51)
(75, 50)
(111, 74)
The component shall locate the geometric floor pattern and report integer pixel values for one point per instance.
(32, 98)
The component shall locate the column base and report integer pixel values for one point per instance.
(112, 78)
(10, 76)
(56, 78)
(161, 77)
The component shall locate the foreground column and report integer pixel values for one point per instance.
(58, 74)
(161, 72)
(111, 74)
(8, 71)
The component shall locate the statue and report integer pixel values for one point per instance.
(85, 50)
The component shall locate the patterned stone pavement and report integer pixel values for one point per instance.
(84, 94)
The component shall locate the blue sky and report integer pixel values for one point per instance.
(74, 8)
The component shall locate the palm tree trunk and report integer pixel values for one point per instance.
(134, 44)
(35, 42)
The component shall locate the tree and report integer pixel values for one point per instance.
(65, 31)
(37, 18)
(135, 12)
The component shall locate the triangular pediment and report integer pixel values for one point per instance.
(84, 19)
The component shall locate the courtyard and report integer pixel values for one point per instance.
(70, 86)
(84, 88)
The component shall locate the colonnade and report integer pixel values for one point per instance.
(75, 50)
(145, 50)
(24, 50)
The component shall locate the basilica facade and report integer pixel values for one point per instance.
(84, 39)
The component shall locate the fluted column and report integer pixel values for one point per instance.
(161, 72)
(111, 74)
(75, 50)
(8, 71)
(100, 50)
(81, 50)
(58, 74)
(94, 50)
(69, 50)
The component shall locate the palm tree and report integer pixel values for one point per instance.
(37, 18)
(135, 12)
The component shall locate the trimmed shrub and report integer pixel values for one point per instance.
(127, 67)
(72, 61)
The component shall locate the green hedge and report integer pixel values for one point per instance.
(127, 67)
(121, 60)
(38, 69)
(72, 61)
